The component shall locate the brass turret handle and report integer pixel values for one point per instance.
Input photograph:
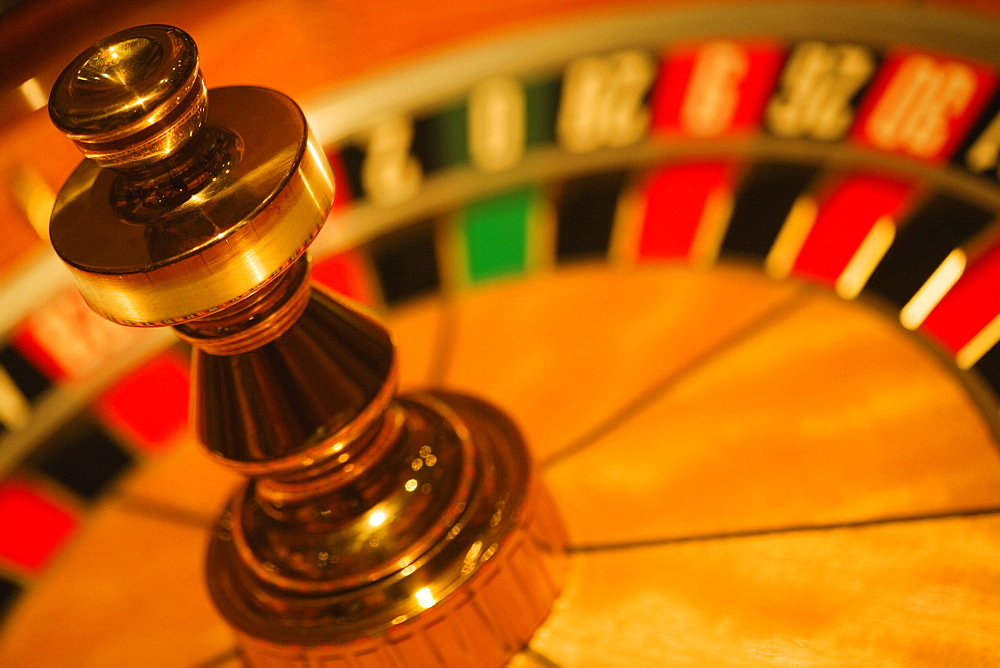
(374, 529)
(189, 201)
(132, 100)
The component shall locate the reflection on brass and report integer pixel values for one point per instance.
(979, 345)
(791, 238)
(374, 530)
(870, 252)
(199, 215)
(930, 294)
(34, 197)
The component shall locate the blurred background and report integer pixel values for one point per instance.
(731, 265)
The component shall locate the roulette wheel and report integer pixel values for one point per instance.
(731, 267)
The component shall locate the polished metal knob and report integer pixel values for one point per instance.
(189, 201)
(132, 99)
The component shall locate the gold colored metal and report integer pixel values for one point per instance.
(374, 530)
(206, 204)
(132, 100)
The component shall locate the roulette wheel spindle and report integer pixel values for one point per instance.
(373, 528)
